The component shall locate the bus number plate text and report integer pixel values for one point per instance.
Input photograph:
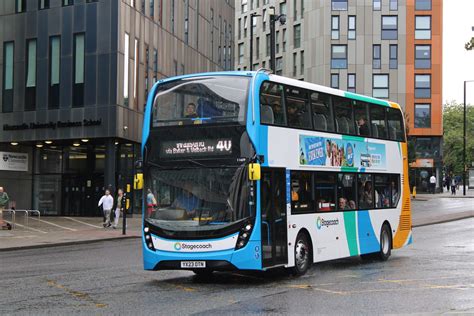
(193, 264)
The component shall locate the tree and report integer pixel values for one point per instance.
(453, 123)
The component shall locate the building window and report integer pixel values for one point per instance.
(302, 8)
(389, 27)
(257, 48)
(339, 5)
(295, 10)
(264, 20)
(43, 4)
(186, 22)
(393, 5)
(152, 8)
(351, 82)
(380, 86)
(268, 44)
(302, 62)
(155, 63)
(126, 57)
(240, 28)
(351, 27)
(241, 53)
(422, 4)
(376, 56)
(30, 93)
(68, 2)
(135, 73)
(423, 56)
(335, 27)
(279, 66)
(335, 81)
(277, 42)
(295, 67)
(172, 16)
(244, 6)
(78, 87)
(283, 39)
(8, 53)
(338, 56)
(147, 67)
(283, 7)
(393, 51)
(423, 27)
(297, 36)
(54, 71)
(377, 5)
(423, 86)
(245, 26)
(20, 6)
(422, 115)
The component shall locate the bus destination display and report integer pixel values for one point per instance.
(205, 147)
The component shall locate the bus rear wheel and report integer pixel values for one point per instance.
(385, 243)
(303, 258)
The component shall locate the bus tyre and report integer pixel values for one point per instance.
(303, 258)
(385, 243)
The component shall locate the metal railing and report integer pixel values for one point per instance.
(27, 214)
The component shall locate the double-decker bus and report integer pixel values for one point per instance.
(252, 171)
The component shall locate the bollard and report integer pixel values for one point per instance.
(414, 192)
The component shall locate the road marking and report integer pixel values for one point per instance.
(33, 229)
(53, 224)
(80, 295)
(184, 288)
(81, 222)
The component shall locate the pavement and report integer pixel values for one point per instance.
(47, 231)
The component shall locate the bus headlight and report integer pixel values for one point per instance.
(148, 240)
(244, 236)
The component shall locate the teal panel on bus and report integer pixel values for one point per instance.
(353, 138)
(351, 232)
(348, 169)
(363, 98)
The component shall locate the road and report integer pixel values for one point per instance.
(434, 275)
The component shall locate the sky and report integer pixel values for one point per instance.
(458, 63)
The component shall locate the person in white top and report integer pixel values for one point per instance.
(433, 184)
(107, 202)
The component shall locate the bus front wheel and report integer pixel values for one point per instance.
(303, 258)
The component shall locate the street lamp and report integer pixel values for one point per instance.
(464, 165)
(273, 19)
(251, 38)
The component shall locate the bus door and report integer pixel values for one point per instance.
(273, 216)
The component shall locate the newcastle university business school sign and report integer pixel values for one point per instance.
(51, 125)
(13, 161)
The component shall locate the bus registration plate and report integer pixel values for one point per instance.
(193, 264)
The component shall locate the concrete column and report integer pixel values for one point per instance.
(110, 165)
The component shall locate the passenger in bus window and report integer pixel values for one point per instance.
(190, 111)
(394, 194)
(363, 128)
(278, 113)
(352, 204)
(293, 116)
(343, 204)
(366, 199)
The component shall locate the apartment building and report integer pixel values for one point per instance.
(389, 49)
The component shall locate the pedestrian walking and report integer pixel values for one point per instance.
(448, 183)
(150, 203)
(107, 202)
(3, 205)
(453, 186)
(433, 184)
(118, 208)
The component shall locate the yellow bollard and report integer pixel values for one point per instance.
(414, 192)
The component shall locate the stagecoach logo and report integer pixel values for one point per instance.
(320, 222)
(184, 246)
(5, 157)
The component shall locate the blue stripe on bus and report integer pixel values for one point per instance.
(367, 239)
